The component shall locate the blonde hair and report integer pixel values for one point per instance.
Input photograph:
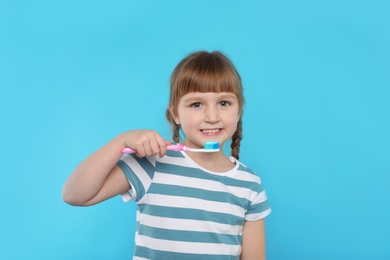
(204, 71)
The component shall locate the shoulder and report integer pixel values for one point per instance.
(246, 171)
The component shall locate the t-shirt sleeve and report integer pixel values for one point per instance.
(259, 207)
(139, 172)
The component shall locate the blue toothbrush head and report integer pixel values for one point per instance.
(211, 146)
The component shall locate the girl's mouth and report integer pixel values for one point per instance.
(211, 131)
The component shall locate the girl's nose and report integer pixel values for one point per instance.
(211, 115)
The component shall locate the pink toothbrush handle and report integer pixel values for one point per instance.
(175, 147)
(128, 150)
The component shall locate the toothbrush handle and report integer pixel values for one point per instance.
(175, 147)
(128, 150)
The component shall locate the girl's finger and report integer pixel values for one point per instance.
(162, 146)
(154, 146)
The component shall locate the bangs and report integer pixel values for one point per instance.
(207, 74)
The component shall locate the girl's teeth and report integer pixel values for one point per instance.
(211, 131)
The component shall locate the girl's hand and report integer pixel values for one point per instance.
(145, 142)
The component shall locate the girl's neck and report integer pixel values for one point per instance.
(215, 162)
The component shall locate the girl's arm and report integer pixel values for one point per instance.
(253, 240)
(98, 178)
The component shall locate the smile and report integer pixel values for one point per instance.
(211, 131)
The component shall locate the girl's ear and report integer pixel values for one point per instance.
(175, 117)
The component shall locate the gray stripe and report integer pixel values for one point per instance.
(146, 165)
(187, 213)
(181, 191)
(156, 254)
(246, 169)
(258, 208)
(189, 236)
(175, 154)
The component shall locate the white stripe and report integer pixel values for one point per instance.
(126, 196)
(257, 216)
(130, 195)
(188, 247)
(172, 179)
(261, 197)
(152, 160)
(193, 203)
(180, 161)
(140, 258)
(245, 176)
(190, 225)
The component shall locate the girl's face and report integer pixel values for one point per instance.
(206, 117)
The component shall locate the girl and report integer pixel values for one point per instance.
(189, 205)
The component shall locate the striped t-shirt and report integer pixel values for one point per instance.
(187, 212)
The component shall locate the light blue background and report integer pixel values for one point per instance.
(74, 74)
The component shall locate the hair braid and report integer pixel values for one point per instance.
(175, 127)
(175, 133)
(236, 140)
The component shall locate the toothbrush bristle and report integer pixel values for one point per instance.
(211, 145)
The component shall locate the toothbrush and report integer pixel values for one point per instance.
(208, 147)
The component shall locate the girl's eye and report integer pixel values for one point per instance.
(224, 103)
(196, 104)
